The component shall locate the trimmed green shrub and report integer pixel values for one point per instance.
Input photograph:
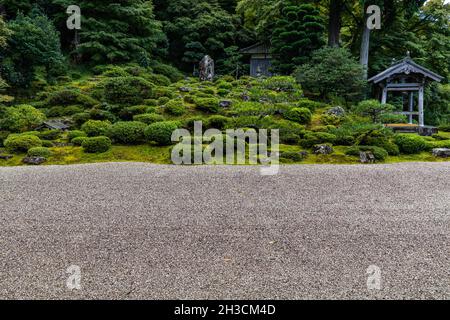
(280, 84)
(78, 141)
(175, 107)
(159, 92)
(210, 105)
(148, 118)
(81, 118)
(379, 153)
(39, 152)
(49, 134)
(3, 136)
(21, 118)
(130, 132)
(373, 109)
(47, 143)
(76, 134)
(299, 115)
(445, 127)
(94, 128)
(312, 138)
(311, 105)
(21, 143)
(389, 118)
(163, 100)
(129, 112)
(67, 97)
(293, 156)
(410, 144)
(218, 122)
(71, 110)
(127, 90)
(151, 102)
(161, 132)
(96, 144)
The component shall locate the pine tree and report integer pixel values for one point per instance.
(296, 35)
(118, 31)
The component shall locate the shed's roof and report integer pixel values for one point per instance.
(56, 124)
(259, 48)
(406, 66)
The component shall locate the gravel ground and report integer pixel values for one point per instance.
(171, 232)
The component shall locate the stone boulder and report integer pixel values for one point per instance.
(337, 111)
(34, 160)
(441, 152)
(225, 103)
(323, 149)
(184, 89)
(366, 157)
(5, 156)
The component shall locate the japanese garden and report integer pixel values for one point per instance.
(114, 88)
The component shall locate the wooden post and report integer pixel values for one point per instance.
(421, 112)
(411, 106)
(384, 97)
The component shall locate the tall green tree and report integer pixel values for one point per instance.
(34, 43)
(196, 28)
(118, 31)
(296, 35)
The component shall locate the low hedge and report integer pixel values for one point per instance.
(299, 115)
(161, 132)
(95, 128)
(21, 143)
(39, 152)
(210, 105)
(78, 141)
(410, 144)
(175, 107)
(96, 144)
(127, 132)
(379, 153)
(76, 134)
(148, 118)
(312, 138)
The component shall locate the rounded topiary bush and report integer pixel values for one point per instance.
(175, 107)
(96, 144)
(39, 152)
(148, 118)
(129, 132)
(127, 90)
(410, 144)
(379, 153)
(312, 138)
(76, 134)
(49, 134)
(210, 105)
(218, 122)
(161, 132)
(47, 143)
(78, 141)
(21, 143)
(94, 128)
(299, 115)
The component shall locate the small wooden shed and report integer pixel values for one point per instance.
(260, 60)
(409, 77)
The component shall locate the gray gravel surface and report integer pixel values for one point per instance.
(142, 231)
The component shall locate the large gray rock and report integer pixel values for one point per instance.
(323, 149)
(366, 157)
(34, 160)
(206, 69)
(184, 89)
(441, 152)
(225, 103)
(337, 111)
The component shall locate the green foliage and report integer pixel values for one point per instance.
(80, 118)
(379, 153)
(75, 134)
(296, 34)
(293, 156)
(445, 127)
(21, 143)
(311, 105)
(96, 144)
(373, 109)
(34, 43)
(210, 105)
(67, 97)
(78, 141)
(390, 118)
(312, 138)
(130, 132)
(94, 128)
(118, 32)
(21, 118)
(299, 115)
(332, 72)
(410, 144)
(39, 152)
(148, 118)
(218, 122)
(175, 107)
(161, 132)
(49, 134)
(127, 90)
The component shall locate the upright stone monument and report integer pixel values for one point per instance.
(206, 69)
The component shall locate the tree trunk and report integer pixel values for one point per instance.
(334, 25)
(365, 45)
